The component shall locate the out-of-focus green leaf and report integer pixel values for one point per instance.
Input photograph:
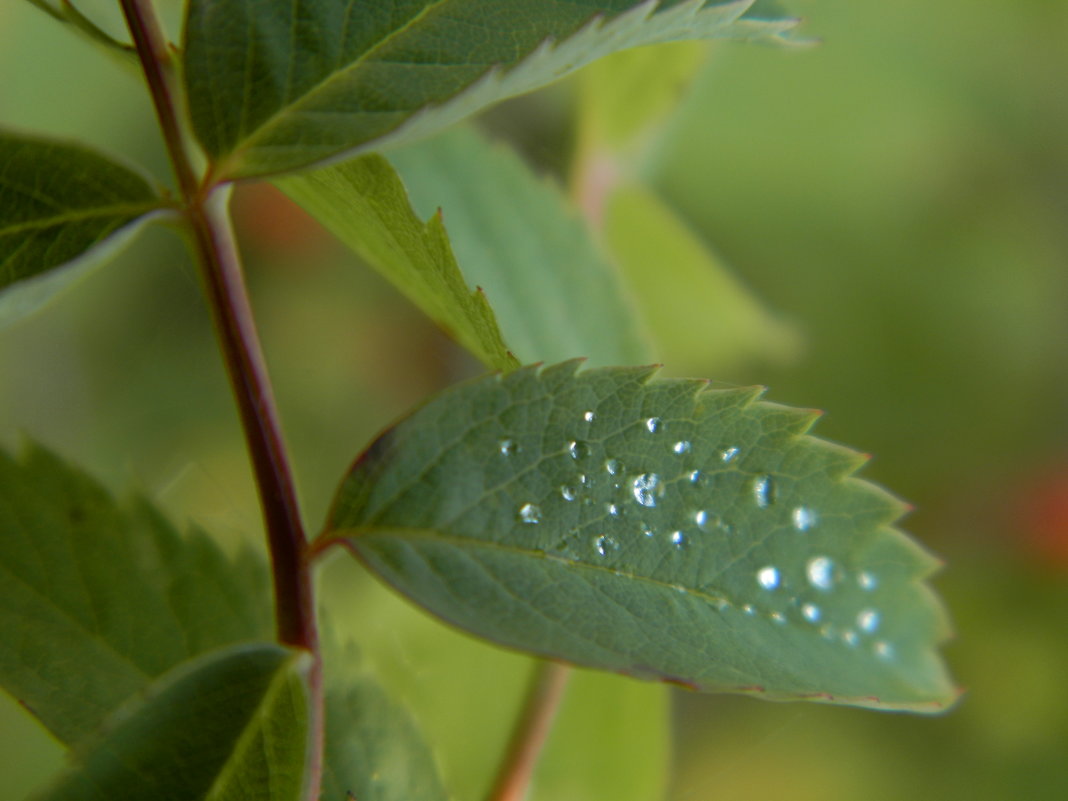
(231, 726)
(277, 85)
(364, 203)
(96, 601)
(701, 315)
(625, 98)
(660, 529)
(59, 203)
(611, 739)
(518, 239)
(374, 749)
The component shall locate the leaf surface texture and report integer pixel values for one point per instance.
(97, 600)
(59, 203)
(276, 85)
(661, 529)
(232, 726)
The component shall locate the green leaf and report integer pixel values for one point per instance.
(61, 205)
(96, 601)
(662, 529)
(625, 99)
(374, 750)
(363, 202)
(280, 84)
(518, 238)
(701, 315)
(611, 739)
(232, 726)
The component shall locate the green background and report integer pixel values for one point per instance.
(898, 194)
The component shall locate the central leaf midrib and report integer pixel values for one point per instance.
(249, 140)
(130, 210)
(358, 534)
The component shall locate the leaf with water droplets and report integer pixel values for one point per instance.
(701, 576)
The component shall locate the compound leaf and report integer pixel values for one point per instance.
(662, 529)
(231, 726)
(275, 85)
(96, 600)
(364, 203)
(60, 204)
(517, 237)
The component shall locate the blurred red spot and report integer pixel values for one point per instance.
(1044, 513)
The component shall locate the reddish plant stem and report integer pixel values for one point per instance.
(206, 213)
(531, 731)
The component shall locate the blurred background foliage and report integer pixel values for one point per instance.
(897, 195)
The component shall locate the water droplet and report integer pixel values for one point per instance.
(529, 513)
(777, 617)
(508, 447)
(827, 631)
(728, 455)
(804, 518)
(763, 492)
(811, 613)
(613, 466)
(604, 545)
(653, 424)
(568, 492)
(578, 449)
(820, 572)
(648, 531)
(701, 518)
(748, 609)
(682, 446)
(768, 577)
(585, 480)
(589, 416)
(678, 539)
(867, 581)
(695, 476)
(883, 650)
(613, 509)
(647, 489)
(868, 620)
(849, 637)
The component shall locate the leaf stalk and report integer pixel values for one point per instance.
(206, 213)
(532, 729)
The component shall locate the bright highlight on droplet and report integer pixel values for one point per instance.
(804, 518)
(653, 424)
(884, 650)
(867, 581)
(728, 455)
(820, 572)
(647, 489)
(811, 613)
(589, 416)
(681, 447)
(868, 620)
(568, 492)
(678, 539)
(701, 518)
(529, 513)
(509, 447)
(614, 510)
(849, 637)
(768, 577)
(603, 544)
(613, 466)
(763, 491)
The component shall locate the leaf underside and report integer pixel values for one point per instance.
(364, 203)
(97, 600)
(58, 202)
(517, 237)
(232, 726)
(276, 85)
(661, 529)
